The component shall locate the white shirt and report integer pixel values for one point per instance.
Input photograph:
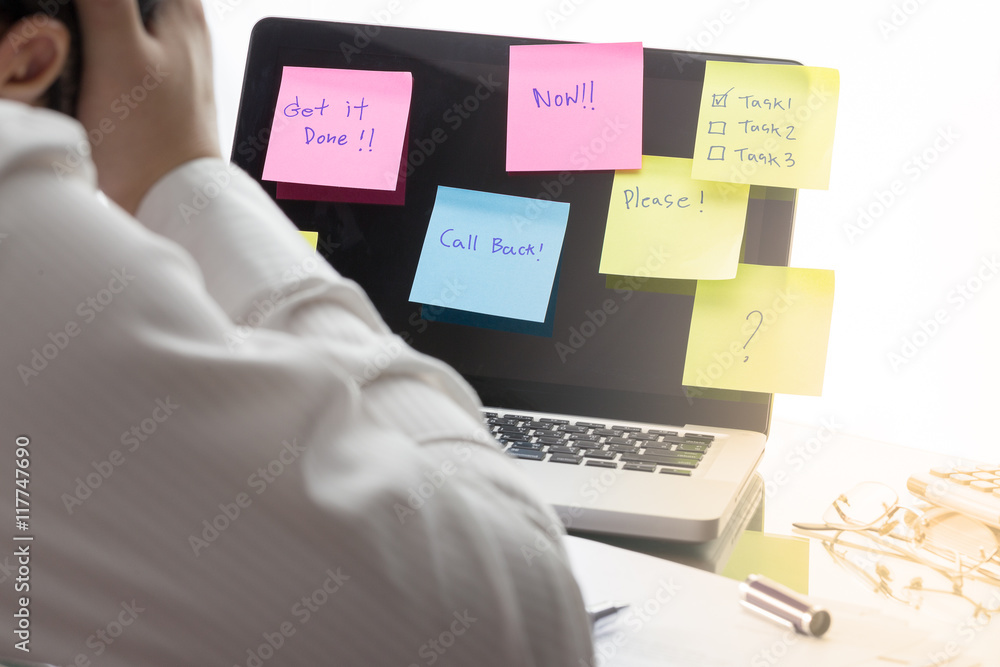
(230, 459)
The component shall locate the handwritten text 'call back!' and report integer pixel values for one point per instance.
(449, 239)
(295, 109)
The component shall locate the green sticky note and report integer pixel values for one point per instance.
(311, 237)
(766, 330)
(766, 124)
(663, 224)
(780, 558)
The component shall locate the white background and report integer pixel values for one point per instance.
(920, 80)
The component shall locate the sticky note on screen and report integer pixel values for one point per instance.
(311, 237)
(336, 127)
(766, 124)
(478, 320)
(663, 224)
(483, 255)
(575, 107)
(397, 197)
(766, 330)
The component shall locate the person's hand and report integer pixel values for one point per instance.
(146, 97)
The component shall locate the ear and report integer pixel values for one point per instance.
(32, 56)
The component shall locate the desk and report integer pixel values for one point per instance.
(804, 472)
(804, 469)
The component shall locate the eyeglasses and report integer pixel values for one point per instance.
(909, 555)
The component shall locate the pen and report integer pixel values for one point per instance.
(783, 605)
(603, 612)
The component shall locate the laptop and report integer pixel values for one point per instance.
(589, 402)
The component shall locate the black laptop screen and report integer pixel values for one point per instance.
(612, 347)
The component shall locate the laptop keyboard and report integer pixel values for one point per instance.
(599, 445)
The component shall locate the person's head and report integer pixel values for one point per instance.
(40, 53)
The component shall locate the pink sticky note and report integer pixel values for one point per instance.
(575, 107)
(306, 192)
(336, 127)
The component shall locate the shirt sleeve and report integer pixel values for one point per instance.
(231, 460)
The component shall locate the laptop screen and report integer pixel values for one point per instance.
(610, 347)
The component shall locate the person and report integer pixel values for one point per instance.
(212, 449)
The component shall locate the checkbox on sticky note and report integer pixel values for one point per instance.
(716, 152)
(717, 127)
(719, 100)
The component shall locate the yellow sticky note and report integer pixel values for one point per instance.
(767, 124)
(312, 237)
(766, 330)
(663, 224)
(781, 558)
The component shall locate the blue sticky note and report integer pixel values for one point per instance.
(491, 254)
(465, 318)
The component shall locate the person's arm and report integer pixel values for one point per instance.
(300, 488)
(196, 497)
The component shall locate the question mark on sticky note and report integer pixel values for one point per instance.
(759, 322)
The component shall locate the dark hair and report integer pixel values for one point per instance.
(64, 92)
